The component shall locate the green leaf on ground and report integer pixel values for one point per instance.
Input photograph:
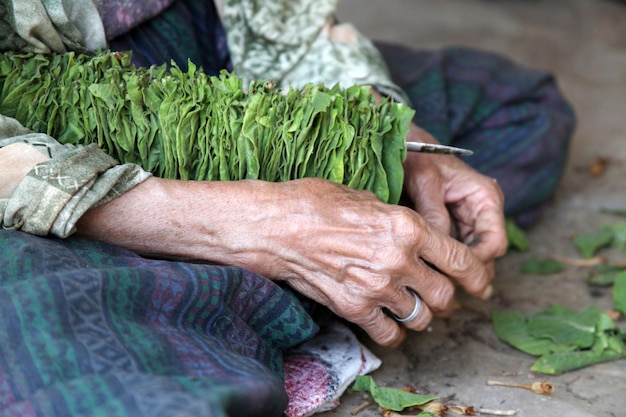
(617, 212)
(589, 243)
(389, 398)
(511, 327)
(566, 328)
(603, 275)
(558, 363)
(563, 339)
(618, 233)
(542, 266)
(619, 293)
(516, 236)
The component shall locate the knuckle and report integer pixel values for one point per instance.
(462, 261)
(405, 220)
(378, 287)
(407, 228)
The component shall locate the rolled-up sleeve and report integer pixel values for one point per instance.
(57, 191)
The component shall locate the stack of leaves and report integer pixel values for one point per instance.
(189, 125)
(564, 339)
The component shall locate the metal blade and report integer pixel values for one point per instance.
(435, 148)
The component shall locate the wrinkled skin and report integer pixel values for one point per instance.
(342, 248)
(457, 200)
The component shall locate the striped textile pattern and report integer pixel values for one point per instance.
(89, 329)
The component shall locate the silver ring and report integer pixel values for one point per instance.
(415, 312)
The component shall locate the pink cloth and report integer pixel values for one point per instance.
(319, 371)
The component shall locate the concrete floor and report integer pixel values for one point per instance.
(584, 43)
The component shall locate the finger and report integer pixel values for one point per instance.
(416, 314)
(484, 232)
(489, 240)
(383, 329)
(454, 261)
(430, 205)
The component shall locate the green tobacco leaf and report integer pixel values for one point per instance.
(542, 266)
(516, 236)
(389, 398)
(619, 293)
(190, 125)
(566, 328)
(589, 243)
(618, 212)
(618, 231)
(512, 327)
(557, 363)
(603, 275)
(565, 339)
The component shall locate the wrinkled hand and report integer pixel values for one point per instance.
(342, 248)
(457, 200)
(356, 255)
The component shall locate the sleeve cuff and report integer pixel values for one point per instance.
(56, 193)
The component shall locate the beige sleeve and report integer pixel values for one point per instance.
(49, 186)
(44, 26)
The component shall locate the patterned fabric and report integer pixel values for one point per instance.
(56, 193)
(89, 329)
(43, 26)
(190, 30)
(294, 42)
(515, 119)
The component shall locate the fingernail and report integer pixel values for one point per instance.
(487, 293)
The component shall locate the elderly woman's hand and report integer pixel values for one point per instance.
(360, 257)
(457, 200)
(343, 248)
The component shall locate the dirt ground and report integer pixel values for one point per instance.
(583, 42)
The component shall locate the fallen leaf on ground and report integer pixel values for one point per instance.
(619, 293)
(589, 243)
(516, 236)
(542, 266)
(562, 338)
(389, 398)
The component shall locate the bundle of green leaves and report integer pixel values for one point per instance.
(190, 125)
(563, 339)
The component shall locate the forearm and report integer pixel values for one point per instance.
(199, 220)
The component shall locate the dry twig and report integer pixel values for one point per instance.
(497, 412)
(543, 387)
(596, 260)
